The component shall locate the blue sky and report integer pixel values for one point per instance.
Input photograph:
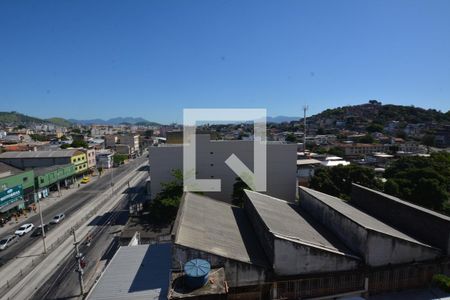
(151, 59)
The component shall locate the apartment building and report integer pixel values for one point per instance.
(211, 157)
(130, 140)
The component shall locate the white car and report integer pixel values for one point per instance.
(25, 228)
(58, 218)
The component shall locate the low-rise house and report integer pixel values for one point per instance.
(305, 170)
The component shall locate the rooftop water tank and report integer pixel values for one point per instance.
(197, 271)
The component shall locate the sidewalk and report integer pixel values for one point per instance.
(47, 202)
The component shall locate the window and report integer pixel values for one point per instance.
(25, 179)
(42, 180)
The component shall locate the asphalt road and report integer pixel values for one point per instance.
(64, 284)
(69, 205)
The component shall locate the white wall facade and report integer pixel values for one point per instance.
(211, 156)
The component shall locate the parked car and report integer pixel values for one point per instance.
(58, 218)
(8, 241)
(38, 230)
(25, 228)
(85, 179)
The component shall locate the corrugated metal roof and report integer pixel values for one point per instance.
(219, 228)
(358, 216)
(39, 154)
(5, 168)
(45, 170)
(136, 272)
(286, 220)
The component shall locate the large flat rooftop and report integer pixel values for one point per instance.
(39, 154)
(218, 228)
(287, 220)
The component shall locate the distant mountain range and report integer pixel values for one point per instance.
(373, 111)
(281, 119)
(17, 119)
(115, 121)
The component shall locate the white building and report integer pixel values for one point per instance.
(104, 159)
(211, 156)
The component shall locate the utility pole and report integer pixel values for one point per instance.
(112, 181)
(79, 258)
(42, 225)
(305, 108)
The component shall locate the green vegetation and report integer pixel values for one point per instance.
(337, 181)
(238, 195)
(24, 120)
(428, 140)
(60, 122)
(421, 180)
(367, 139)
(381, 114)
(336, 151)
(163, 209)
(442, 281)
(119, 158)
(75, 144)
(374, 127)
(291, 138)
(17, 118)
(39, 137)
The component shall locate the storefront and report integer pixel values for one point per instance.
(11, 200)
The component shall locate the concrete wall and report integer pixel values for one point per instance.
(292, 258)
(374, 247)
(349, 232)
(427, 226)
(265, 237)
(383, 250)
(162, 161)
(236, 273)
(211, 156)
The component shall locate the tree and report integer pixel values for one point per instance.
(367, 139)
(238, 196)
(291, 138)
(119, 158)
(164, 207)
(336, 151)
(79, 144)
(428, 140)
(421, 180)
(337, 181)
(375, 127)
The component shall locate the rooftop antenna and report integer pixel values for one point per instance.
(305, 108)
